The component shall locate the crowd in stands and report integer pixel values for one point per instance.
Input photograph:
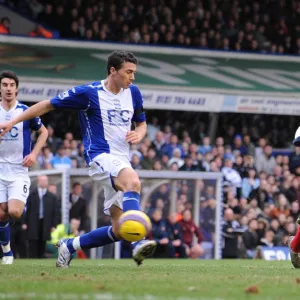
(240, 25)
(261, 187)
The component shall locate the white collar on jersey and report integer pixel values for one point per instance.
(2, 108)
(108, 91)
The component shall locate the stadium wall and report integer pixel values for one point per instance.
(170, 78)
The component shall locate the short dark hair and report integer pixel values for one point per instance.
(117, 58)
(11, 75)
(76, 184)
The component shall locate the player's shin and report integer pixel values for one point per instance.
(95, 238)
(5, 238)
(131, 201)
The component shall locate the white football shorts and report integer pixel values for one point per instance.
(103, 168)
(14, 183)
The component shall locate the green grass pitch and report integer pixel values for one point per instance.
(154, 280)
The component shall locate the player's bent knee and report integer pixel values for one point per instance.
(128, 180)
(133, 185)
(15, 212)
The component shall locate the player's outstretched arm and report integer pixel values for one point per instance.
(135, 136)
(35, 110)
(30, 159)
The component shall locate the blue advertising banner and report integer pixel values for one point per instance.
(273, 253)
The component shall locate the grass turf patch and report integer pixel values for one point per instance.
(155, 280)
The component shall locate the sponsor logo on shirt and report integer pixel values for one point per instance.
(118, 117)
(12, 135)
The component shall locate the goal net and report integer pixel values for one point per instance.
(169, 191)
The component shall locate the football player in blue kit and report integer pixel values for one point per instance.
(16, 156)
(106, 110)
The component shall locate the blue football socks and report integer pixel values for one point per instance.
(95, 238)
(5, 238)
(131, 201)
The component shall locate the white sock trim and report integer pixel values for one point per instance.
(6, 248)
(76, 243)
(109, 235)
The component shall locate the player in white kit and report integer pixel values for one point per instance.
(106, 110)
(16, 156)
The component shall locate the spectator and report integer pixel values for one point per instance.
(162, 193)
(207, 220)
(233, 203)
(61, 160)
(238, 145)
(62, 231)
(250, 238)
(268, 239)
(265, 162)
(160, 234)
(52, 142)
(176, 158)
(261, 145)
(229, 236)
(281, 208)
(189, 165)
(189, 229)
(278, 233)
(78, 207)
(169, 148)
(249, 145)
(261, 194)
(250, 183)
(45, 157)
(5, 26)
(294, 210)
(206, 146)
(231, 175)
(153, 128)
(40, 31)
(262, 228)
(159, 143)
(52, 188)
(148, 161)
(135, 162)
(175, 234)
(40, 218)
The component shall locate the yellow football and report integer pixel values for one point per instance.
(134, 225)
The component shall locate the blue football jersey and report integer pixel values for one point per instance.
(104, 117)
(16, 143)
